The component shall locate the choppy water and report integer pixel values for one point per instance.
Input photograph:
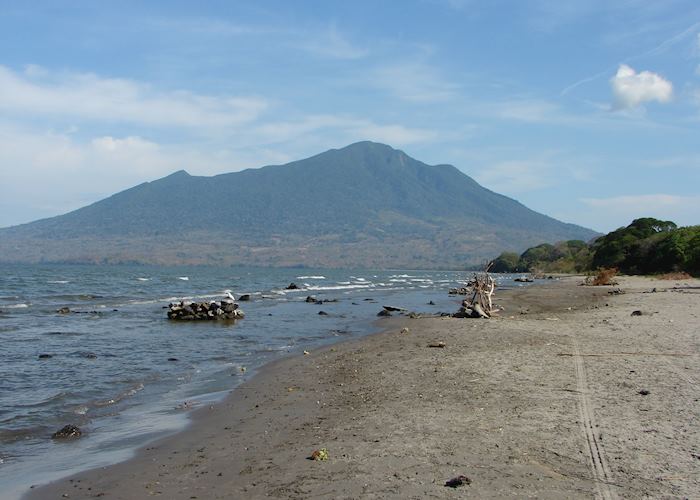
(109, 370)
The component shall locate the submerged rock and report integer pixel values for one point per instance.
(292, 286)
(67, 432)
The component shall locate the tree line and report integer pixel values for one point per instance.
(646, 246)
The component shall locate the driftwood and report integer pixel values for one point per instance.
(481, 287)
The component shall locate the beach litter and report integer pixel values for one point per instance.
(458, 481)
(318, 455)
(437, 344)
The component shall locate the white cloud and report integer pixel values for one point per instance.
(631, 89)
(90, 97)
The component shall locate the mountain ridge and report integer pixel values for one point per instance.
(358, 204)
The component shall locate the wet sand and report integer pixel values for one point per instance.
(565, 395)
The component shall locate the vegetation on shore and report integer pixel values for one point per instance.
(646, 246)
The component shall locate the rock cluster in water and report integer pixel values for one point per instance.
(191, 311)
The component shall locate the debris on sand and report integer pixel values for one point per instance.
(458, 481)
(644, 392)
(437, 344)
(318, 455)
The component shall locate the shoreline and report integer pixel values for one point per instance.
(385, 405)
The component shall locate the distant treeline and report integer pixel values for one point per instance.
(646, 246)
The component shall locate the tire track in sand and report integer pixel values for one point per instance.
(596, 453)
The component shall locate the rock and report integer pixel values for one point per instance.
(67, 432)
(392, 308)
(635, 313)
(644, 392)
(431, 303)
(311, 299)
(459, 291)
(413, 315)
(523, 279)
(292, 286)
(45, 356)
(244, 298)
(322, 313)
(173, 359)
(206, 311)
(458, 481)
(63, 310)
(383, 312)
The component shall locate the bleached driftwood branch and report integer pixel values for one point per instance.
(482, 286)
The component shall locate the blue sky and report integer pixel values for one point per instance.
(588, 111)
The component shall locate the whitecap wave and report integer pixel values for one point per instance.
(16, 306)
(183, 278)
(58, 282)
(143, 279)
(340, 287)
(311, 277)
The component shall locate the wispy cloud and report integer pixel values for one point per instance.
(87, 96)
(347, 127)
(631, 89)
(413, 81)
(659, 48)
(684, 210)
(331, 43)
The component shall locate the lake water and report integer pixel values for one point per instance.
(125, 374)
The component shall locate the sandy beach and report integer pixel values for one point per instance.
(566, 394)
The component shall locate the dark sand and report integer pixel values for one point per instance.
(545, 404)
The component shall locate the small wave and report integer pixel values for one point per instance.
(81, 410)
(16, 306)
(183, 278)
(118, 398)
(58, 282)
(144, 279)
(311, 277)
(340, 287)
